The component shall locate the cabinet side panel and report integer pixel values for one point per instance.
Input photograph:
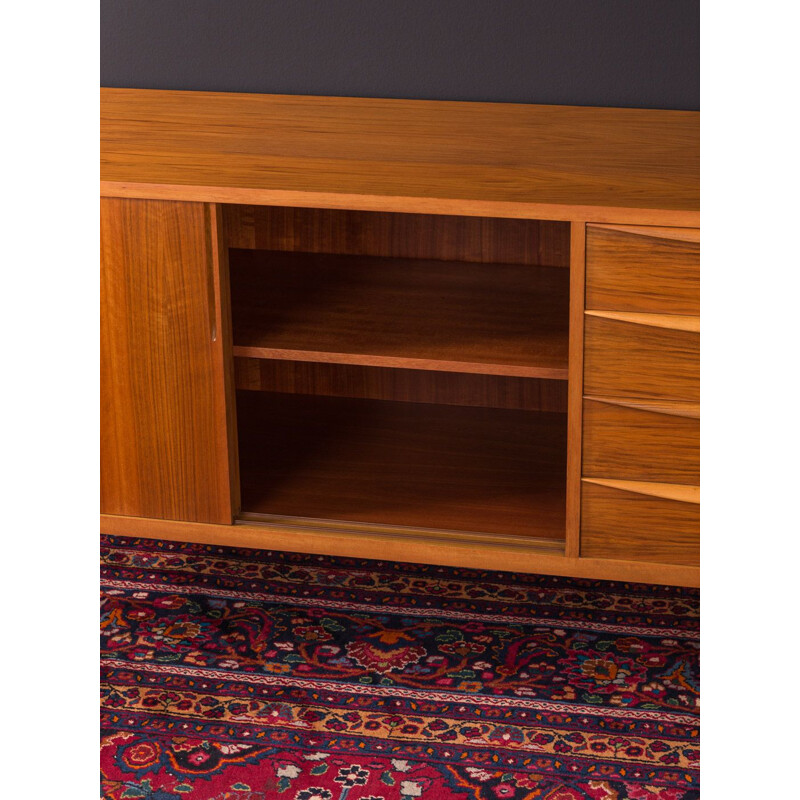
(162, 404)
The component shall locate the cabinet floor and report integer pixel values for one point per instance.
(455, 468)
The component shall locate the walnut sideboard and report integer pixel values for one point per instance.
(454, 333)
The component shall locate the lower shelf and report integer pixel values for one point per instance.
(410, 464)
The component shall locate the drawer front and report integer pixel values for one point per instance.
(653, 270)
(624, 358)
(641, 442)
(630, 525)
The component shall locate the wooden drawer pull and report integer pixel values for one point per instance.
(674, 322)
(667, 491)
(651, 232)
(673, 408)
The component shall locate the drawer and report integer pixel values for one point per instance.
(655, 270)
(641, 441)
(641, 356)
(647, 523)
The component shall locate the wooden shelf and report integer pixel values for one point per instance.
(453, 468)
(452, 316)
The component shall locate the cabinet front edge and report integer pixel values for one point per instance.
(399, 548)
(411, 205)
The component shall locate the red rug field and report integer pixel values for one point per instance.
(231, 674)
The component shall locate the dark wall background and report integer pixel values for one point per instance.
(637, 53)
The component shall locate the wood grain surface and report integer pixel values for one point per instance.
(407, 385)
(223, 362)
(163, 418)
(642, 269)
(575, 389)
(412, 464)
(626, 359)
(372, 233)
(500, 319)
(621, 524)
(473, 159)
(621, 440)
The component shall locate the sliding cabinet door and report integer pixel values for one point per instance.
(166, 438)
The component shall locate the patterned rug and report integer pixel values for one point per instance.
(232, 674)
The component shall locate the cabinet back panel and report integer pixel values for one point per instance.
(409, 385)
(374, 233)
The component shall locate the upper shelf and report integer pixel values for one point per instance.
(478, 159)
(452, 316)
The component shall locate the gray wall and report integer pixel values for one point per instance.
(637, 53)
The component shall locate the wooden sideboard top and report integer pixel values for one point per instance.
(478, 159)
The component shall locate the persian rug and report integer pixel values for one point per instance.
(233, 674)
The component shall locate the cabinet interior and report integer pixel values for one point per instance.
(403, 370)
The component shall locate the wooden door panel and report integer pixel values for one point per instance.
(164, 434)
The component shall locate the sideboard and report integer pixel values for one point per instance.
(452, 333)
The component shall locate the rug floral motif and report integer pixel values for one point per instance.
(234, 674)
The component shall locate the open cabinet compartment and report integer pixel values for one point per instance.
(401, 369)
